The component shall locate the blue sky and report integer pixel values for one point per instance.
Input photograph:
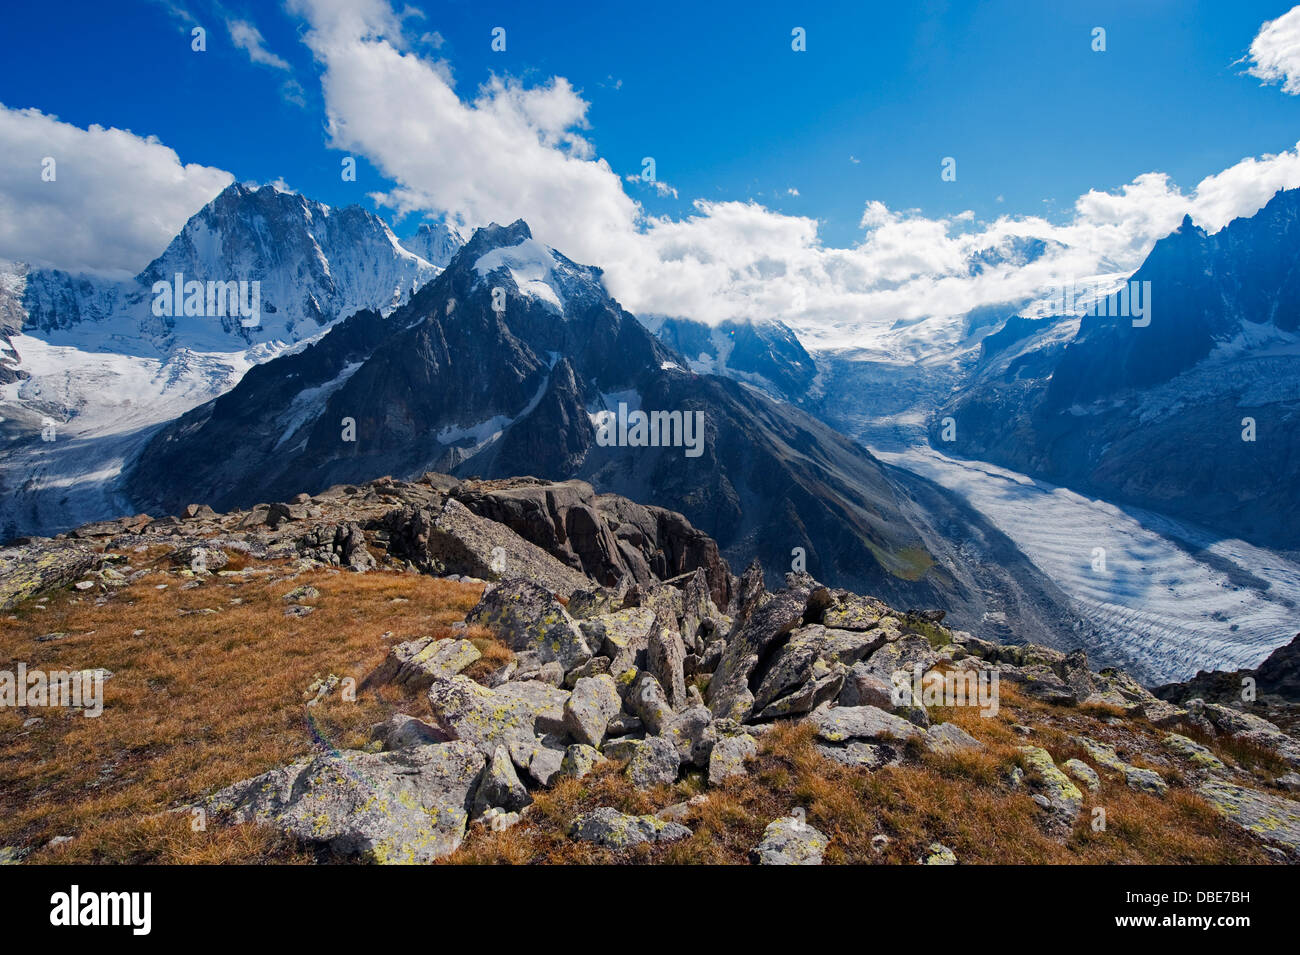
(1012, 90)
(736, 121)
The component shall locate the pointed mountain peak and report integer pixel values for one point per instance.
(495, 236)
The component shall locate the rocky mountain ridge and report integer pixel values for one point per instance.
(636, 658)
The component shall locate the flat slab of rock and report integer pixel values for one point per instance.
(1271, 819)
(513, 713)
(949, 738)
(454, 540)
(790, 841)
(407, 806)
(617, 830)
(839, 724)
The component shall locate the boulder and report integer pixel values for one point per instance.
(790, 841)
(769, 620)
(579, 760)
(407, 806)
(617, 830)
(727, 758)
(623, 636)
(528, 618)
(949, 738)
(1061, 799)
(1274, 820)
(513, 713)
(839, 724)
(592, 704)
(416, 664)
(654, 762)
(665, 657)
(500, 786)
(453, 540)
(400, 731)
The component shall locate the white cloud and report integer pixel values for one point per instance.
(249, 39)
(1275, 52)
(515, 151)
(116, 201)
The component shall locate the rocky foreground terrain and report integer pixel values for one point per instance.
(592, 683)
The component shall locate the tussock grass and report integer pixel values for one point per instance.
(196, 702)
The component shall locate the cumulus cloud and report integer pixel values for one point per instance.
(512, 151)
(1275, 53)
(117, 199)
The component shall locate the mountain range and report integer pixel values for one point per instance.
(498, 356)
(1190, 411)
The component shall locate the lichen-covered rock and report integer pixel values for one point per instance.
(528, 618)
(654, 762)
(623, 636)
(592, 704)
(848, 611)
(1274, 820)
(407, 806)
(1101, 754)
(1081, 771)
(30, 569)
(790, 841)
(858, 755)
(1249, 728)
(500, 786)
(1192, 751)
(545, 763)
(770, 619)
(727, 759)
(939, 854)
(839, 724)
(415, 664)
(949, 738)
(810, 669)
(616, 830)
(1145, 780)
(693, 734)
(511, 713)
(579, 760)
(646, 700)
(665, 657)
(1063, 798)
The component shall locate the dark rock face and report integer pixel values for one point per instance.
(1155, 415)
(768, 353)
(606, 537)
(1277, 676)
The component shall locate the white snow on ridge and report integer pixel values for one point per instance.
(1164, 609)
(532, 266)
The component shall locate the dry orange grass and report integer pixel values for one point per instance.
(196, 701)
(199, 701)
(962, 800)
